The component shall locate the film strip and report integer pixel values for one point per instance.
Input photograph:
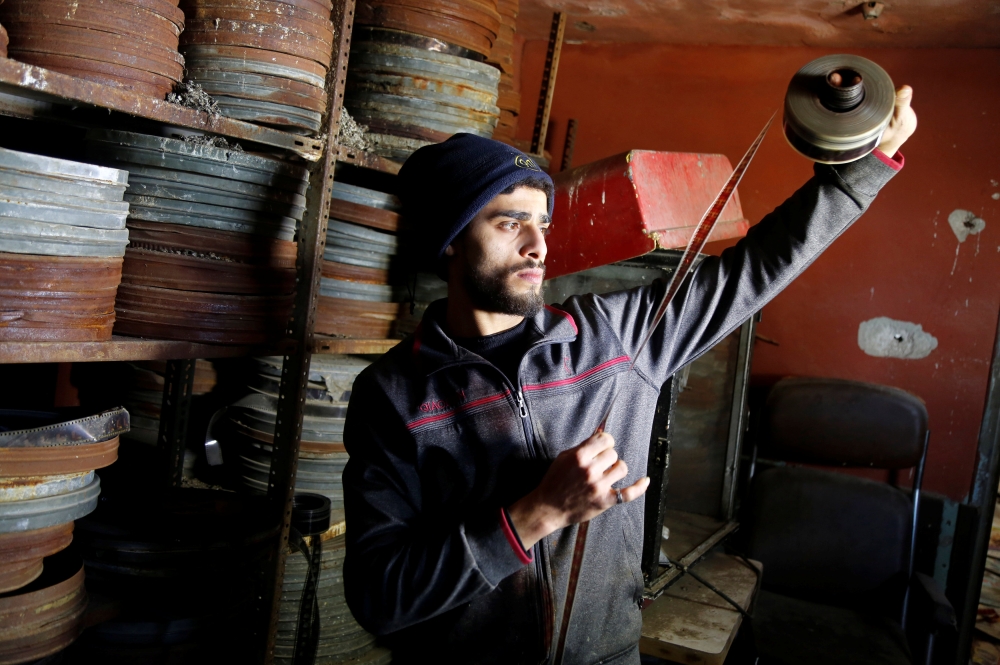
(694, 247)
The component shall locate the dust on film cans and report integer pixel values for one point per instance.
(837, 108)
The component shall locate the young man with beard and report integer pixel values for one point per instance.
(472, 455)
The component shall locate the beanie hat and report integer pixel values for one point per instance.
(443, 186)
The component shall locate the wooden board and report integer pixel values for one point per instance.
(984, 653)
(689, 623)
(994, 546)
(990, 592)
(988, 621)
(687, 531)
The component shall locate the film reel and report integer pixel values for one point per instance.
(837, 107)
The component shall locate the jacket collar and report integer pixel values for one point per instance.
(434, 349)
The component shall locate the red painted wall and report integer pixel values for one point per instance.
(898, 261)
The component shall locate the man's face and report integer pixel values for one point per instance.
(499, 259)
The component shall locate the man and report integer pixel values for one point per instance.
(471, 450)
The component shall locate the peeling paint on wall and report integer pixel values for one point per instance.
(965, 224)
(883, 337)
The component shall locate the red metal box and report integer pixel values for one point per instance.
(627, 205)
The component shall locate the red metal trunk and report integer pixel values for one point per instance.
(627, 205)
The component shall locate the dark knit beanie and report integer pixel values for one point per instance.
(444, 185)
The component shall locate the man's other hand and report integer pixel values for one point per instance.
(902, 125)
(576, 488)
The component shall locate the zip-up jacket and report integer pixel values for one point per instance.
(440, 441)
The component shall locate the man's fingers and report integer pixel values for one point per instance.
(903, 116)
(616, 472)
(602, 463)
(904, 95)
(903, 122)
(635, 490)
(593, 447)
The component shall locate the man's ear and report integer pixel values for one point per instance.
(449, 250)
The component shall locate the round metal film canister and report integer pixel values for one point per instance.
(837, 108)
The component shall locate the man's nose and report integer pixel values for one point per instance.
(534, 243)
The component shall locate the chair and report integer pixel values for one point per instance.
(838, 550)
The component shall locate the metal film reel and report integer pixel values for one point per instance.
(837, 108)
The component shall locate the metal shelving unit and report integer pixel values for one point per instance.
(32, 92)
(295, 370)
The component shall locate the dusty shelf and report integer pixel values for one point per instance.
(126, 348)
(332, 345)
(366, 159)
(34, 92)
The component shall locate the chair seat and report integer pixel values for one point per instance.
(789, 631)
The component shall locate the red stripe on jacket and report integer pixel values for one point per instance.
(569, 317)
(578, 377)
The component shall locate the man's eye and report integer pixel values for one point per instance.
(509, 225)
(546, 230)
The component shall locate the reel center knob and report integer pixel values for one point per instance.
(844, 90)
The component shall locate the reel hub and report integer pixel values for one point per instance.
(837, 108)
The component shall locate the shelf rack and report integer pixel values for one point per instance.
(31, 92)
(131, 349)
(295, 370)
(127, 349)
(367, 160)
(334, 345)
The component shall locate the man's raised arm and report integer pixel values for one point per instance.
(725, 291)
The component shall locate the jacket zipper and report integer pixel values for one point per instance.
(543, 591)
(520, 404)
(544, 594)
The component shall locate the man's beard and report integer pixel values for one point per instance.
(489, 291)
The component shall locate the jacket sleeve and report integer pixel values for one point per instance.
(402, 567)
(724, 291)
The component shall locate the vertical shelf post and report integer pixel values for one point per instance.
(569, 145)
(178, 384)
(548, 83)
(295, 371)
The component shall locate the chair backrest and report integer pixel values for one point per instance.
(835, 422)
(826, 536)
